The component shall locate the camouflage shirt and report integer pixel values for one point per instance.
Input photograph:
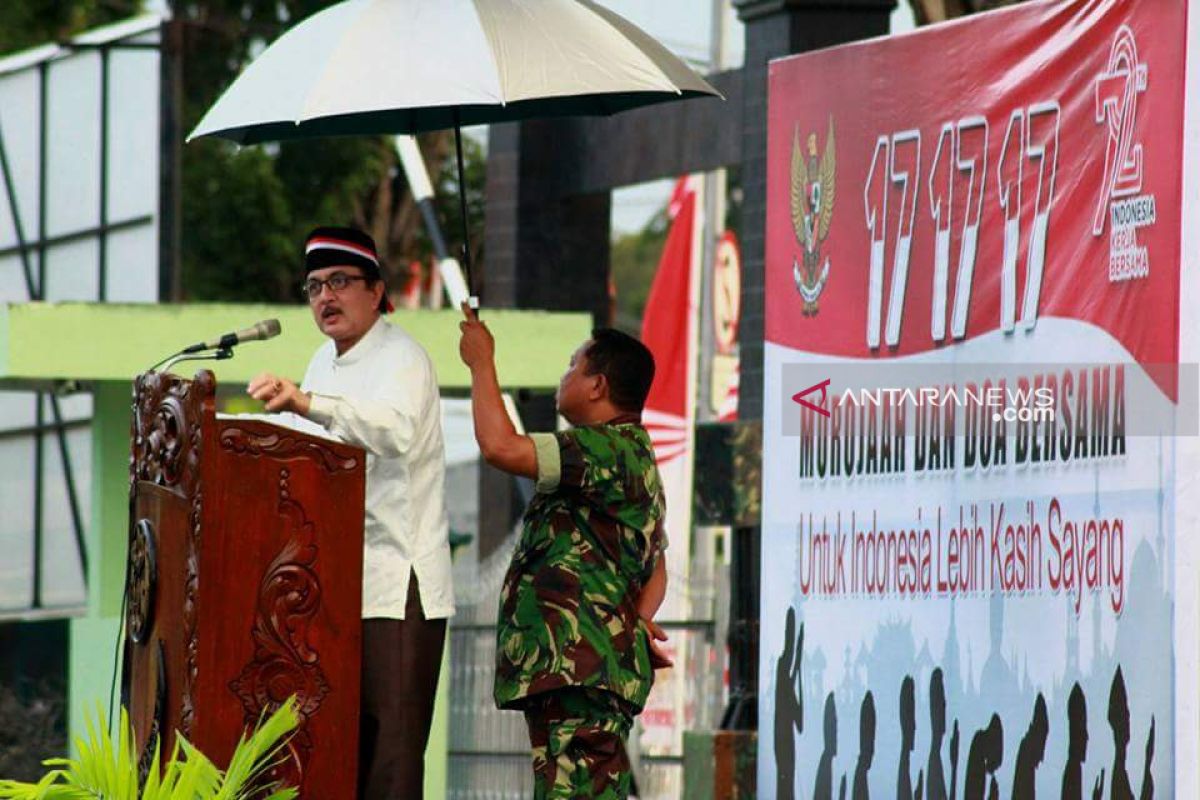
(568, 607)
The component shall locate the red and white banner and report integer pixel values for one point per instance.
(980, 176)
(669, 329)
(1004, 191)
(726, 318)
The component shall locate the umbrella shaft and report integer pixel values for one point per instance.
(462, 204)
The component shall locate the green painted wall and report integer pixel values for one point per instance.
(93, 637)
(113, 342)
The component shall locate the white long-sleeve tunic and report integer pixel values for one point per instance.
(382, 395)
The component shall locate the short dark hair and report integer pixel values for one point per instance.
(626, 364)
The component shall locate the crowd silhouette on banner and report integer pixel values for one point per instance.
(985, 755)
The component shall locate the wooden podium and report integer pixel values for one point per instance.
(244, 582)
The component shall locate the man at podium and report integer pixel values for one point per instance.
(373, 386)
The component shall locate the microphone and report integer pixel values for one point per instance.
(265, 329)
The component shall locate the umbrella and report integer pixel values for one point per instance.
(367, 67)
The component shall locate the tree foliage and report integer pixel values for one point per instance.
(634, 259)
(28, 23)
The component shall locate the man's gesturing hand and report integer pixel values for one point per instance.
(279, 394)
(476, 347)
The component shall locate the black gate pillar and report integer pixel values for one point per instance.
(545, 247)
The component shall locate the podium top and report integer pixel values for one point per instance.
(94, 342)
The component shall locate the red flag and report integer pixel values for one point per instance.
(667, 331)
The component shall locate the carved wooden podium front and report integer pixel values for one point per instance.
(245, 582)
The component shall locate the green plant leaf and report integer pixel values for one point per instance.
(104, 769)
(257, 753)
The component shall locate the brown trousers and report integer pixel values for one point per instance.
(401, 660)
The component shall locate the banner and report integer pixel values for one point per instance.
(976, 414)
(669, 331)
(726, 317)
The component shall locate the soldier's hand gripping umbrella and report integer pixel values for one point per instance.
(369, 67)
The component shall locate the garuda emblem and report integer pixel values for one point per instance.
(813, 193)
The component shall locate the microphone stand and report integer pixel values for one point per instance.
(219, 354)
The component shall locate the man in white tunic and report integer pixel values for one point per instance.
(372, 385)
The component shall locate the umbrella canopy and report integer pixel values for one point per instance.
(406, 66)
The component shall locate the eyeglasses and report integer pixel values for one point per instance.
(337, 282)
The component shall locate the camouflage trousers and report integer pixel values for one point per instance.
(578, 740)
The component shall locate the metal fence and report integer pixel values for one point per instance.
(79, 221)
(489, 749)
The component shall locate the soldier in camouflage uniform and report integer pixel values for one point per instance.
(575, 644)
